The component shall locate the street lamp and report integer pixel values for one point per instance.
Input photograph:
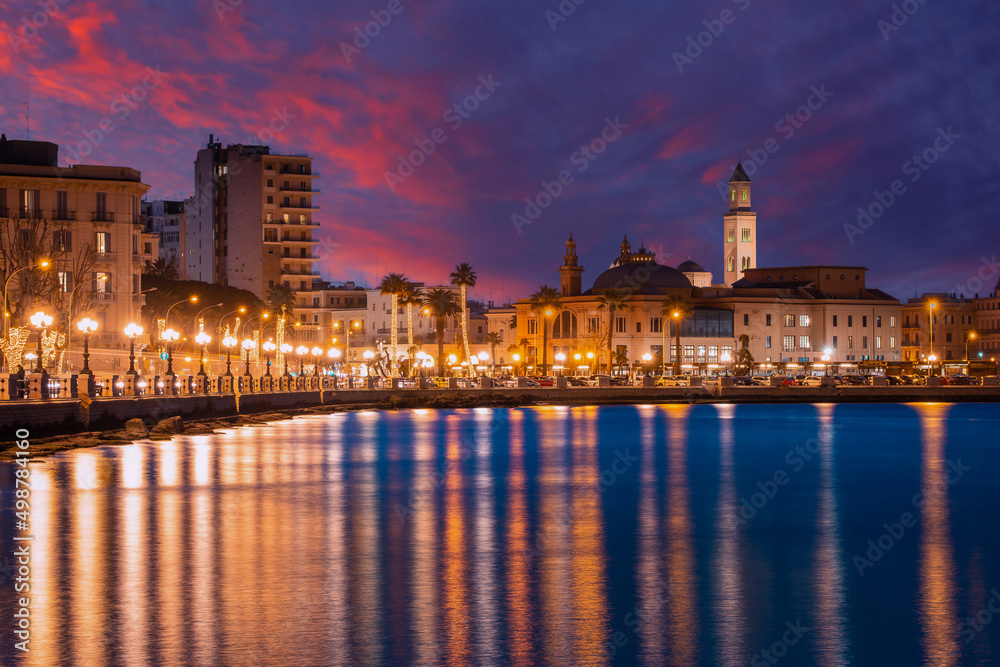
(971, 336)
(44, 264)
(286, 349)
(42, 322)
(86, 326)
(203, 339)
(930, 328)
(248, 345)
(516, 357)
(368, 356)
(229, 342)
(166, 318)
(133, 331)
(826, 358)
(726, 358)
(317, 352)
(930, 360)
(301, 350)
(647, 358)
(560, 357)
(269, 347)
(170, 336)
(196, 317)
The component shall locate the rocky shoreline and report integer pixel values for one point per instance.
(164, 429)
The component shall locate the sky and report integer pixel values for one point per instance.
(588, 117)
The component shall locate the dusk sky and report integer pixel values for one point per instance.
(883, 90)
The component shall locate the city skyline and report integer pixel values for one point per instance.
(536, 84)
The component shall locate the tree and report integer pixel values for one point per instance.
(280, 299)
(511, 349)
(612, 301)
(620, 358)
(442, 304)
(744, 359)
(676, 308)
(394, 284)
(545, 302)
(161, 268)
(410, 297)
(494, 339)
(464, 277)
(524, 347)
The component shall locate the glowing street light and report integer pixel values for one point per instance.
(826, 358)
(317, 352)
(133, 331)
(269, 347)
(248, 345)
(43, 264)
(971, 336)
(86, 326)
(203, 339)
(726, 358)
(301, 350)
(286, 350)
(170, 336)
(229, 342)
(41, 322)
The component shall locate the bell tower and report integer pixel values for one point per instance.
(570, 273)
(739, 228)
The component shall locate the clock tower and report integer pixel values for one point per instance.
(739, 228)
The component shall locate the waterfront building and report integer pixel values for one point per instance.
(166, 219)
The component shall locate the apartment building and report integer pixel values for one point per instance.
(166, 219)
(952, 318)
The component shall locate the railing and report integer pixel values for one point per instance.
(104, 296)
(64, 215)
(104, 257)
(101, 216)
(138, 259)
(308, 207)
(306, 189)
(139, 298)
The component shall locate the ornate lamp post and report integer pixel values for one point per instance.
(826, 358)
(228, 342)
(86, 326)
(726, 358)
(203, 339)
(170, 336)
(971, 336)
(133, 331)
(301, 350)
(560, 357)
(516, 357)
(41, 322)
(248, 345)
(286, 350)
(316, 351)
(646, 358)
(368, 356)
(269, 347)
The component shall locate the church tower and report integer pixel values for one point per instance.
(739, 228)
(570, 273)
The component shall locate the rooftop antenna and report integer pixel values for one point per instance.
(27, 119)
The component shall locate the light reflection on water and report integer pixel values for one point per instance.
(567, 536)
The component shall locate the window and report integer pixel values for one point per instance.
(285, 185)
(788, 343)
(746, 319)
(835, 342)
(103, 242)
(62, 240)
(532, 326)
(619, 325)
(270, 235)
(947, 337)
(102, 205)
(302, 202)
(285, 218)
(850, 342)
(767, 319)
(102, 282)
(864, 342)
(270, 217)
(701, 353)
(878, 342)
(789, 320)
(65, 281)
(892, 342)
(689, 353)
(864, 321)
(732, 196)
(638, 327)
(302, 218)
(834, 320)
(270, 182)
(730, 264)
(850, 320)
(803, 320)
(804, 342)
(29, 203)
(593, 325)
(713, 353)
(878, 321)
(732, 236)
(655, 325)
(285, 201)
(767, 341)
(745, 234)
(62, 204)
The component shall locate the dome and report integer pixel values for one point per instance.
(641, 278)
(690, 267)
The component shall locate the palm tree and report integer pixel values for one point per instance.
(394, 284)
(161, 267)
(612, 301)
(280, 299)
(545, 302)
(494, 339)
(442, 304)
(410, 297)
(464, 277)
(676, 307)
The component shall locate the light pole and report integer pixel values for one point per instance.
(826, 358)
(725, 359)
(133, 331)
(516, 357)
(646, 358)
(971, 336)
(677, 351)
(301, 350)
(353, 324)
(41, 322)
(930, 328)
(196, 317)
(44, 264)
(560, 357)
(166, 318)
(69, 329)
(334, 354)
(86, 326)
(248, 345)
(228, 342)
(203, 339)
(170, 336)
(316, 352)
(241, 309)
(286, 350)
(269, 347)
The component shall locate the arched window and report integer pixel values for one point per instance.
(564, 325)
(732, 265)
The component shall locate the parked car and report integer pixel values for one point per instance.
(619, 382)
(543, 380)
(574, 381)
(761, 381)
(812, 381)
(674, 381)
(856, 380)
(960, 380)
(895, 380)
(742, 381)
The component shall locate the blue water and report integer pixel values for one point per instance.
(651, 535)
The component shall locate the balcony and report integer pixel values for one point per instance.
(139, 299)
(290, 188)
(286, 169)
(299, 206)
(298, 258)
(105, 257)
(104, 296)
(64, 215)
(102, 216)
